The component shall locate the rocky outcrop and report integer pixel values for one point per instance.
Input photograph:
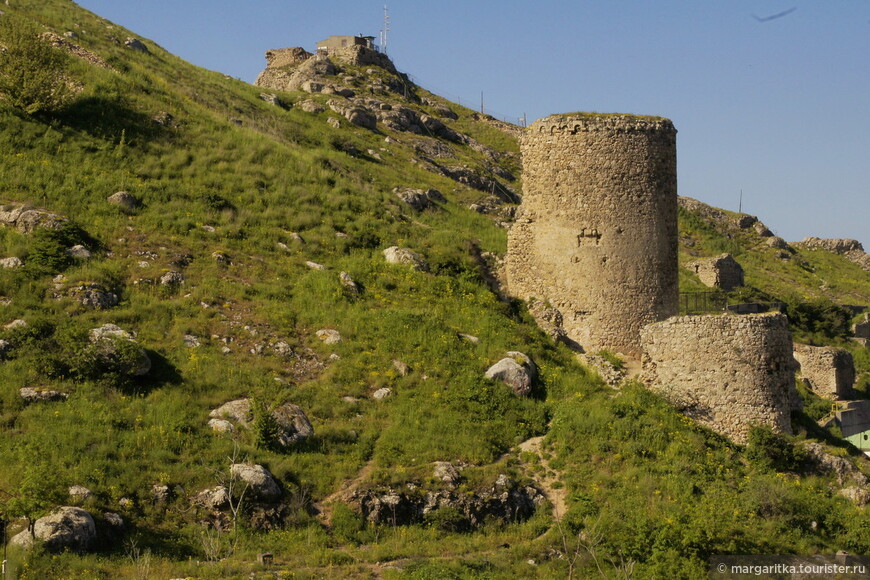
(136, 45)
(419, 199)
(405, 256)
(75, 50)
(293, 424)
(849, 248)
(26, 218)
(516, 370)
(260, 483)
(36, 395)
(88, 294)
(116, 350)
(67, 528)
(124, 200)
(505, 500)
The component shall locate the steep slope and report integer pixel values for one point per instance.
(251, 224)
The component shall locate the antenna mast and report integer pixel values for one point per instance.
(385, 30)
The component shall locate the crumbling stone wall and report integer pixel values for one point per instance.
(830, 371)
(727, 372)
(597, 229)
(723, 272)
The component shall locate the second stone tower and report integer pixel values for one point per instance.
(597, 230)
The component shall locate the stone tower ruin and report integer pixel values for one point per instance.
(597, 230)
(727, 372)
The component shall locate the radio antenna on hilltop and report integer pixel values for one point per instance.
(385, 30)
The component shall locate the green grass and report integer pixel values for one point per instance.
(234, 175)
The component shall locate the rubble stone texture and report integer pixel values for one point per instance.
(597, 230)
(727, 372)
(830, 371)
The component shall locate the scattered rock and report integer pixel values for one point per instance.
(11, 263)
(468, 338)
(221, 426)
(160, 493)
(238, 410)
(214, 499)
(333, 122)
(89, 294)
(508, 502)
(67, 527)
(26, 218)
(446, 472)
(401, 368)
(315, 265)
(123, 200)
(17, 323)
(294, 424)
(118, 351)
(136, 45)
(261, 483)
(34, 395)
(113, 520)
(516, 371)
(310, 106)
(348, 283)
(779, 244)
(172, 279)
(78, 252)
(844, 469)
(405, 256)
(382, 394)
(858, 495)
(79, 492)
(221, 258)
(329, 336)
(5, 348)
(419, 199)
(273, 99)
(191, 341)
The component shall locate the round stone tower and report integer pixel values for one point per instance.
(597, 230)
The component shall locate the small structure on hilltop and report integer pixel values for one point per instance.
(597, 231)
(727, 372)
(722, 272)
(324, 47)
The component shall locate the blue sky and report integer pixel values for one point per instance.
(779, 109)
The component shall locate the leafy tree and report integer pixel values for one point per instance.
(32, 71)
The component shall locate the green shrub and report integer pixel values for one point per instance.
(32, 71)
(774, 451)
(818, 319)
(48, 250)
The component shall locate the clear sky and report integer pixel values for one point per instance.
(771, 97)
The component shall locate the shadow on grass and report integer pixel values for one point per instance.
(108, 118)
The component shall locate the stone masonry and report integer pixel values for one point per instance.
(597, 230)
(727, 372)
(720, 272)
(830, 371)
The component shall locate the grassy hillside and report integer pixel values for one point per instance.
(237, 196)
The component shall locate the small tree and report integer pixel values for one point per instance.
(32, 71)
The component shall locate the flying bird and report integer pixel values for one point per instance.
(775, 16)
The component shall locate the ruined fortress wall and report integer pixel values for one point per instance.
(830, 371)
(597, 230)
(727, 372)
